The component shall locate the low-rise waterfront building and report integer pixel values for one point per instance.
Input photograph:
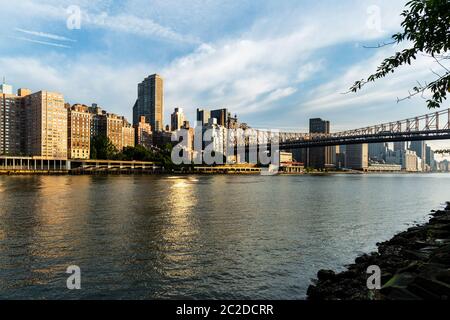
(384, 167)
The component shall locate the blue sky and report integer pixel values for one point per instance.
(275, 63)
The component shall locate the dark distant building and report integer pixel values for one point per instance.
(430, 158)
(377, 151)
(357, 156)
(222, 116)
(340, 156)
(299, 155)
(321, 157)
(400, 146)
(203, 116)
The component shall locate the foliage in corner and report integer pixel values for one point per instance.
(426, 25)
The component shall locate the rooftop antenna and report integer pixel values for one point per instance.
(4, 80)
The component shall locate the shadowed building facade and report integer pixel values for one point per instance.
(320, 157)
(12, 129)
(357, 156)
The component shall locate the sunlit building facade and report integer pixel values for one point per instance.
(79, 132)
(143, 133)
(127, 134)
(46, 125)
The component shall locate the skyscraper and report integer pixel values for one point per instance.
(150, 102)
(321, 157)
(176, 119)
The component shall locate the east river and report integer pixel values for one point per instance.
(175, 237)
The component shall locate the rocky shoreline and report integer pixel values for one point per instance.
(414, 264)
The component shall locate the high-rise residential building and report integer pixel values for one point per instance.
(79, 132)
(150, 102)
(222, 116)
(320, 157)
(96, 121)
(420, 148)
(357, 156)
(176, 119)
(111, 127)
(143, 133)
(12, 128)
(46, 125)
(116, 128)
(203, 116)
(127, 134)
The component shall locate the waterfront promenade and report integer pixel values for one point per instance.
(39, 165)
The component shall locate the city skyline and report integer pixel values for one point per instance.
(236, 63)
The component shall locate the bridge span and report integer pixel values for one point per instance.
(432, 126)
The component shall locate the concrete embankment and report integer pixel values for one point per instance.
(414, 264)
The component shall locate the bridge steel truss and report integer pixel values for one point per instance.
(432, 126)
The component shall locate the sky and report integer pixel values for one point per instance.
(274, 63)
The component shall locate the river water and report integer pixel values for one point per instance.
(221, 237)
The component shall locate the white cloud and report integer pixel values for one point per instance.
(45, 35)
(91, 17)
(330, 95)
(307, 70)
(82, 81)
